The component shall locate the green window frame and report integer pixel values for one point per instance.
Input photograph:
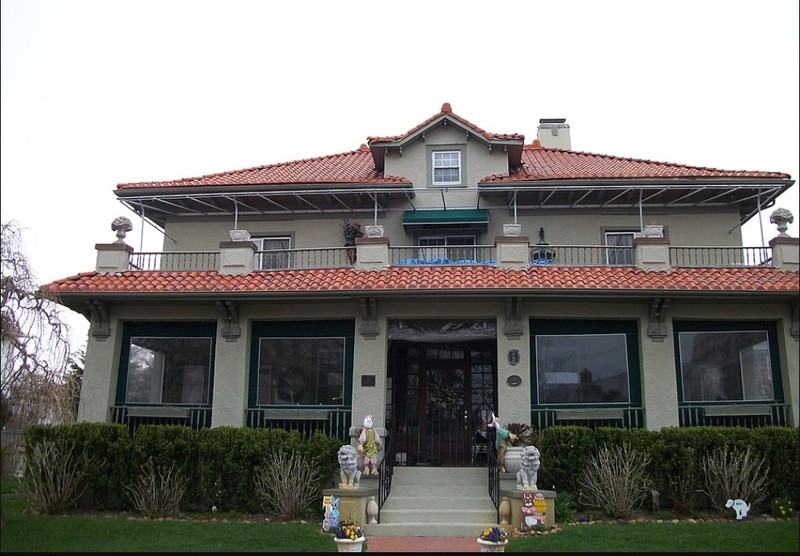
(167, 363)
(301, 363)
(727, 361)
(584, 362)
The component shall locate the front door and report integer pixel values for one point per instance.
(443, 395)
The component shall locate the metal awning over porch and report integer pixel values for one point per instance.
(463, 218)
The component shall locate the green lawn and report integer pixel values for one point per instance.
(121, 532)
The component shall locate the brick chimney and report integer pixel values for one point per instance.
(553, 133)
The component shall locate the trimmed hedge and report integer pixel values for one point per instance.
(221, 462)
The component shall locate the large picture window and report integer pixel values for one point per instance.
(167, 364)
(725, 364)
(301, 363)
(585, 362)
(301, 371)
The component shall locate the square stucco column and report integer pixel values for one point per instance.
(231, 371)
(372, 253)
(369, 381)
(785, 252)
(512, 251)
(112, 257)
(659, 389)
(237, 257)
(652, 253)
(514, 362)
(99, 384)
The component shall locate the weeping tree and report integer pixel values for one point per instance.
(39, 371)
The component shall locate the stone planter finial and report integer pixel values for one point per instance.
(782, 218)
(121, 226)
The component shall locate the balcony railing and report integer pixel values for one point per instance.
(720, 256)
(175, 261)
(295, 259)
(556, 255)
(443, 255)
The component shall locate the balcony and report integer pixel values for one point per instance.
(555, 255)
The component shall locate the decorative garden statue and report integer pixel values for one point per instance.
(348, 462)
(528, 468)
(369, 443)
(501, 441)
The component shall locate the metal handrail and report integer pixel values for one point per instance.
(386, 470)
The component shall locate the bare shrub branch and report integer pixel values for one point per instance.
(288, 484)
(158, 492)
(53, 476)
(615, 480)
(734, 474)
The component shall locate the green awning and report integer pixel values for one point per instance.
(470, 218)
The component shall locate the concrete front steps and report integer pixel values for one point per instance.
(436, 502)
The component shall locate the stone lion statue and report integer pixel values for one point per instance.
(348, 462)
(528, 468)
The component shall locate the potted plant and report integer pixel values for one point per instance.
(493, 539)
(349, 538)
(521, 435)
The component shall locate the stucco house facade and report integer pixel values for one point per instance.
(433, 277)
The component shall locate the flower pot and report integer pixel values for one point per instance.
(374, 231)
(489, 546)
(513, 458)
(349, 545)
(239, 235)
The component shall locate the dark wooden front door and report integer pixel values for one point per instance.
(443, 394)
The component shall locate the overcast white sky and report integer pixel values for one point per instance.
(96, 93)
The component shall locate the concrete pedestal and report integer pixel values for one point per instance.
(353, 502)
(515, 498)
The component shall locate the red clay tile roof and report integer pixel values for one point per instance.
(354, 167)
(448, 111)
(539, 163)
(436, 278)
(358, 167)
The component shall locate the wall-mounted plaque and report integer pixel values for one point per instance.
(513, 356)
(514, 380)
(367, 380)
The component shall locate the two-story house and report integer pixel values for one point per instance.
(434, 277)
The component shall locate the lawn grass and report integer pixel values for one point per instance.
(120, 532)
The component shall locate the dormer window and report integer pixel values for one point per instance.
(446, 167)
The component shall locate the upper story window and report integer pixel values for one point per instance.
(273, 252)
(446, 167)
(623, 242)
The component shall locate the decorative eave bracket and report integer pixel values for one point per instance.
(230, 327)
(99, 327)
(656, 327)
(513, 326)
(370, 327)
(794, 327)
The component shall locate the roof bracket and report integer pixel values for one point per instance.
(230, 327)
(513, 326)
(99, 323)
(370, 327)
(656, 328)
